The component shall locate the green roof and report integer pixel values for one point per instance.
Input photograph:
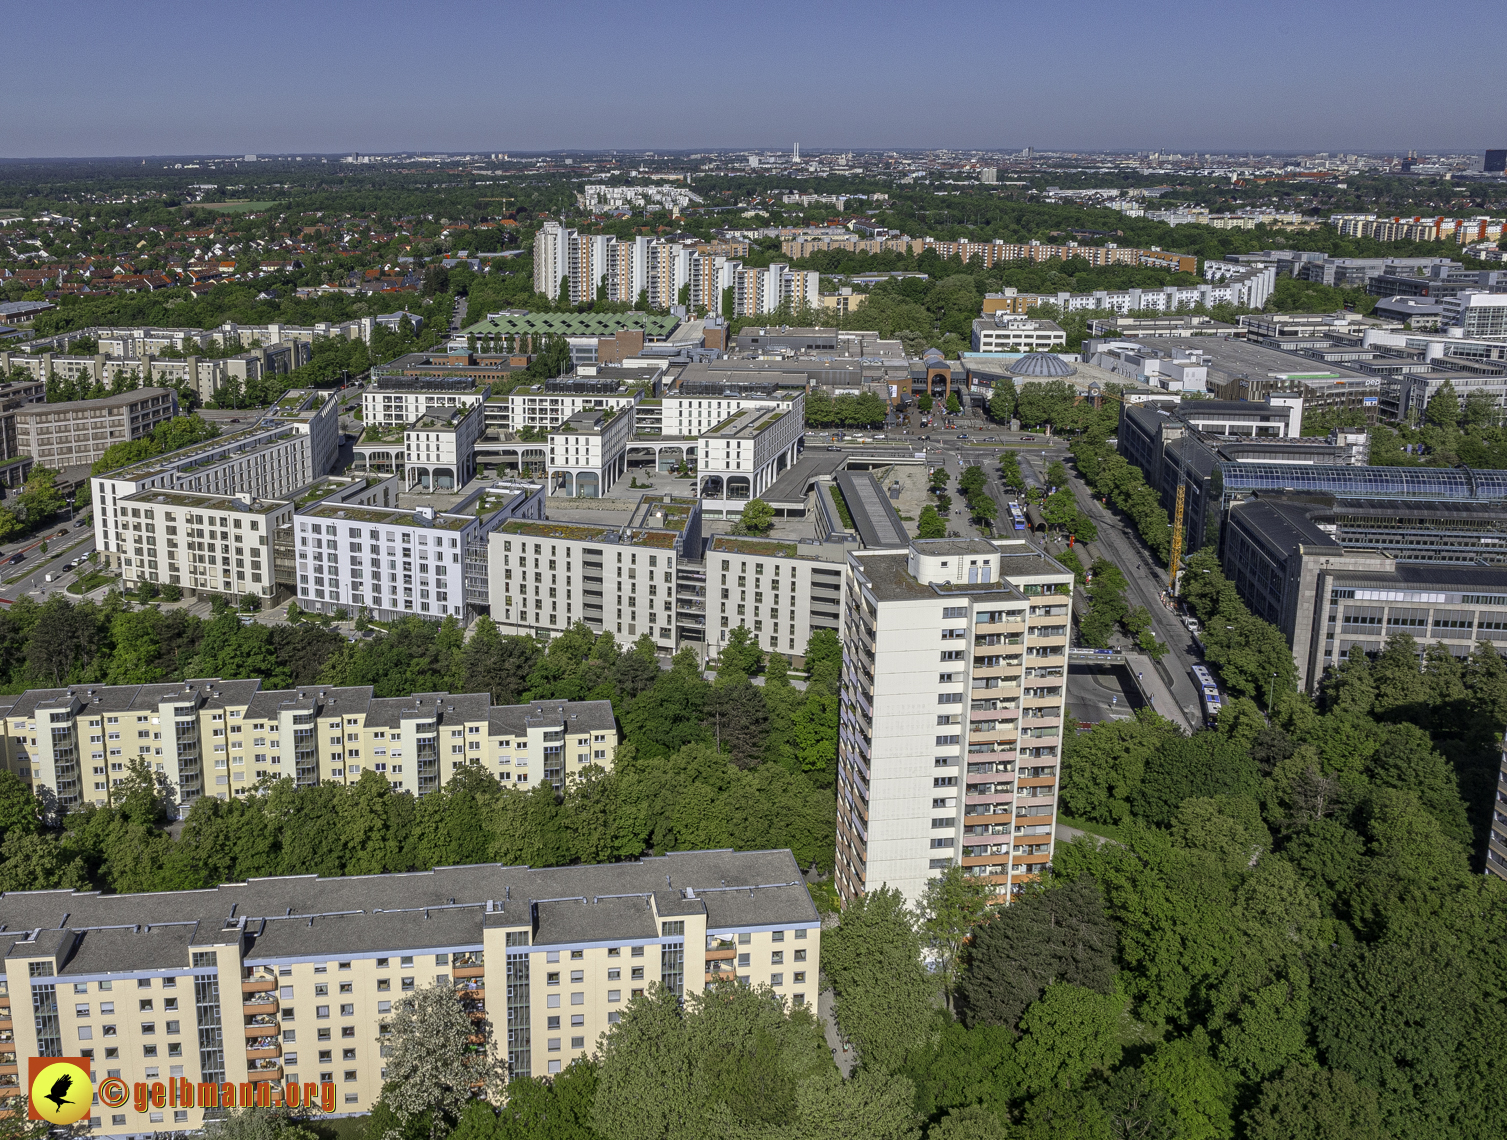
(574, 324)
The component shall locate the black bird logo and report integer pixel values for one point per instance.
(59, 1092)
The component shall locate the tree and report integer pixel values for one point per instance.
(738, 719)
(1002, 402)
(1307, 1103)
(883, 996)
(741, 653)
(1062, 934)
(953, 906)
(431, 1065)
(757, 518)
(930, 524)
(924, 403)
(954, 405)
(1068, 1034)
(1443, 409)
(646, 1091)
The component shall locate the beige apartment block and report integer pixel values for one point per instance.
(74, 745)
(290, 980)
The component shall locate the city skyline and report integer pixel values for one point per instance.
(1193, 79)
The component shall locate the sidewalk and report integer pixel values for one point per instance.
(1149, 677)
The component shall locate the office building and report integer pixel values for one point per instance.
(209, 737)
(1438, 282)
(1494, 162)
(1209, 446)
(1476, 313)
(392, 561)
(951, 714)
(295, 443)
(1004, 332)
(80, 431)
(307, 968)
(1311, 566)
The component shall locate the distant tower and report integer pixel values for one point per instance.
(795, 155)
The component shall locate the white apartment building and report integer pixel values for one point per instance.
(1003, 332)
(781, 592)
(628, 197)
(545, 576)
(386, 406)
(546, 406)
(954, 675)
(551, 258)
(296, 443)
(439, 447)
(738, 459)
(587, 264)
(710, 275)
(588, 453)
(669, 270)
(203, 543)
(693, 415)
(392, 562)
(628, 269)
(757, 291)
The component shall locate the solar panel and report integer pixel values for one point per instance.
(1366, 482)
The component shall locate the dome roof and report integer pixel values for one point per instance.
(1042, 364)
(933, 354)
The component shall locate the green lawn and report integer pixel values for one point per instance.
(1102, 830)
(236, 207)
(90, 582)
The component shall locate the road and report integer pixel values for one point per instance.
(34, 565)
(1117, 543)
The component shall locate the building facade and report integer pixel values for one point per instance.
(73, 746)
(79, 431)
(390, 561)
(949, 746)
(296, 443)
(295, 985)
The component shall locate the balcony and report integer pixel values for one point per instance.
(263, 1049)
(258, 985)
(470, 988)
(262, 1003)
(266, 1070)
(475, 971)
(260, 1025)
(474, 1009)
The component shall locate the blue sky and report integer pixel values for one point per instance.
(106, 78)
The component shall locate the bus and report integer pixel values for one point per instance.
(1017, 516)
(1208, 688)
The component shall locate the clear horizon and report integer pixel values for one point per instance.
(166, 79)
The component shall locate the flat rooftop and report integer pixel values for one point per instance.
(582, 532)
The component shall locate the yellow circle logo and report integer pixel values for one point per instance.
(61, 1093)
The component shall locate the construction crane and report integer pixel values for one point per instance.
(1177, 539)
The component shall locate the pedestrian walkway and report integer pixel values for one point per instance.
(1154, 685)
